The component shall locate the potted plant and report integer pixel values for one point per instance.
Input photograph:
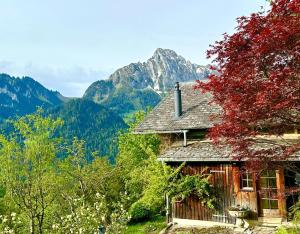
(240, 213)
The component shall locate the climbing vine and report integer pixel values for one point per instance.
(180, 187)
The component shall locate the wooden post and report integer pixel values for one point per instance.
(281, 192)
(236, 179)
(236, 183)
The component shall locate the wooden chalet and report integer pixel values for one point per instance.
(182, 119)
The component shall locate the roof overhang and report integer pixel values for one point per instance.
(162, 159)
(222, 160)
(160, 132)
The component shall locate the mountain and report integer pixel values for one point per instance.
(82, 118)
(92, 122)
(20, 96)
(139, 85)
(96, 118)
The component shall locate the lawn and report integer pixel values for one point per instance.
(152, 226)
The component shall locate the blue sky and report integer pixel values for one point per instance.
(68, 44)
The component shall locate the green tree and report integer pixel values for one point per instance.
(51, 187)
(148, 181)
(136, 153)
(28, 172)
(92, 195)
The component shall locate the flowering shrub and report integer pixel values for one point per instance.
(89, 218)
(10, 224)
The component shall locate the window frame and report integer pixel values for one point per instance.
(247, 177)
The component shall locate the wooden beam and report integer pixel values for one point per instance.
(281, 192)
(236, 179)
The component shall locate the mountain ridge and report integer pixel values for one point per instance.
(84, 119)
(20, 96)
(150, 79)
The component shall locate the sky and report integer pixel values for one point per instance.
(68, 44)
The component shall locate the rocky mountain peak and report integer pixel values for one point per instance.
(145, 79)
(166, 67)
(165, 53)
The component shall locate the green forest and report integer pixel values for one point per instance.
(51, 185)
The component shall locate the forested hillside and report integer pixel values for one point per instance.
(97, 125)
(82, 118)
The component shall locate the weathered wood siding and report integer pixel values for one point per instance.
(246, 198)
(222, 178)
(226, 179)
(250, 198)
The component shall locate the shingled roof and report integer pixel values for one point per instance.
(206, 151)
(197, 111)
(196, 107)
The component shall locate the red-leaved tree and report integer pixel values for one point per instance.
(258, 84)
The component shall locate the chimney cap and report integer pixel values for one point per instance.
(176, 85)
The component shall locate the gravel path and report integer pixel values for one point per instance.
(220, 230)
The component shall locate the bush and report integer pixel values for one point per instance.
(139, 212)
(288, 230)
(295, 212)
(295, 215)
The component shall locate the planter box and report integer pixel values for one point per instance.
(241, 214)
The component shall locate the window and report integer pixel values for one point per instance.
(247, 180)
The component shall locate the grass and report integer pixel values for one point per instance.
(152, 226)
(288, 230)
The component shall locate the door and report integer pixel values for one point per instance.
(222, 182)
(268, 194)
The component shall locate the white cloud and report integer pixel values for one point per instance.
(70, 81)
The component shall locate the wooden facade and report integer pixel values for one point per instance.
(222, 178)
(226, 178)
(252, 198)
